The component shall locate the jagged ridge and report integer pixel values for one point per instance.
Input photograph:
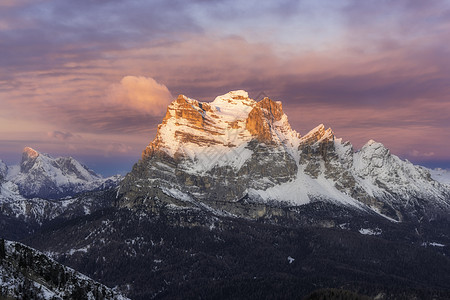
(43, 176)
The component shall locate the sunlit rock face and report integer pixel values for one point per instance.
(217, 155)
(262, 119)
(190, 125)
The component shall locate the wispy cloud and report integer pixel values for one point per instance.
(417, 153)
(60, 135)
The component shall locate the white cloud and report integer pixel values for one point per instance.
(142, 94)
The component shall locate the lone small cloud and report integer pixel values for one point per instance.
(417, 153)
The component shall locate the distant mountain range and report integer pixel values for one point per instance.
(42, 188)
(42, 176)
(228, 201)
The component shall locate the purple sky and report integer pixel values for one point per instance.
(92, 79)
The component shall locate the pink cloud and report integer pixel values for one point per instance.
(417, 153)
(141, 94)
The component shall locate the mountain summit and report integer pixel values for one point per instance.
(230, 121)
(43, 176)
(220, 154)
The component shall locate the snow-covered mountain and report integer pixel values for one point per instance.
(216, 155)
(42, 176)
(43, 188)
(441, 175)
(29, 274)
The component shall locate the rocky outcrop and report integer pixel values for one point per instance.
(189, 111)
(262, 117)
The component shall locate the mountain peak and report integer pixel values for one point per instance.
(238, 94)
(233, 102)
(231, 120)
(373, 143)
(29, 157)
(44, 176)
(375, 148)
(182, 97)
(317, 134)
(30, 153)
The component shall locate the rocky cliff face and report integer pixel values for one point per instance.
(218, 155)
(262, 119)
(3, 170)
